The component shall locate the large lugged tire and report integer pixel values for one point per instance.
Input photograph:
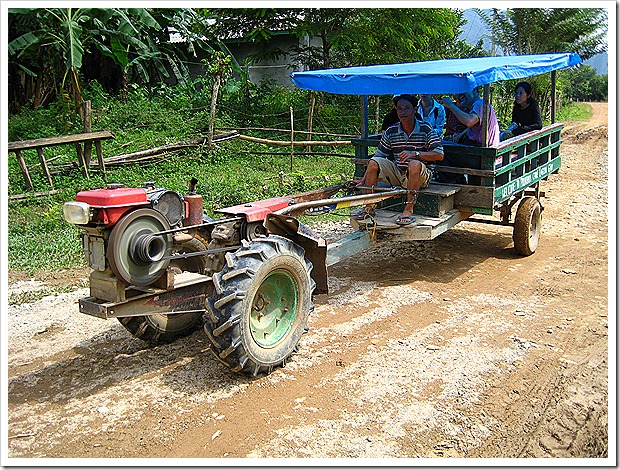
(159, 328)
(260, 305)
(526, 231)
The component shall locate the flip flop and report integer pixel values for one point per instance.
(405, 219)
(364, 213)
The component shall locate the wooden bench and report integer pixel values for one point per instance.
(83, 144)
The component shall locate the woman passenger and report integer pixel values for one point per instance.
(526, 114)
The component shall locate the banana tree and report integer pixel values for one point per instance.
(60, 33)
(136, 41)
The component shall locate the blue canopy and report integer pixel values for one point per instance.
(448, 76)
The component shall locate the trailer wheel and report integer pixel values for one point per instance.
(260, 305)
(159, 328)
(526, 231)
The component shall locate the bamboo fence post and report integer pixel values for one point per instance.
(310, 116)
(88, 146)
(216, 89)
(292, 137)
(100, 158)
(81, 161)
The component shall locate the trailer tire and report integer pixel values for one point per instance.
(260, 305)
(526, 231)
(160, 328)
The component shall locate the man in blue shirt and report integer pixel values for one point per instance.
(433, 113)
(401, 155)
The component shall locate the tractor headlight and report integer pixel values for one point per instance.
(78, 213)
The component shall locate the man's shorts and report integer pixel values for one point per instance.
(390, 173)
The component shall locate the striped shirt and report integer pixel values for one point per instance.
(395, 140)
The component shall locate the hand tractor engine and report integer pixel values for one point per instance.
(163, 268)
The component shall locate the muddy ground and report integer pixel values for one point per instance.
(452, 348)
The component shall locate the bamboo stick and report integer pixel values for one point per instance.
(300, 143)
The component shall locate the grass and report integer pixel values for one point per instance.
(574, 111)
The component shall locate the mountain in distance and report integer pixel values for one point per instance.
(475, 29)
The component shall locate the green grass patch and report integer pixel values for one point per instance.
(574, 111)
(39, 240)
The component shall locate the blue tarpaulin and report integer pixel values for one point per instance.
(447, 76)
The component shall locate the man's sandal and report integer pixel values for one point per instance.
(405, 219)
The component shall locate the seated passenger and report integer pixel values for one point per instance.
(473, 119)
(401, 157)
(454, 127)
(470, 112)
(389, 119)
(432, 112)
(526, 114)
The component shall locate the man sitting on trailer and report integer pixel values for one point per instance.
(470, 111)
(401, 155)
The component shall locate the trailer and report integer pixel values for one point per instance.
(163, 268)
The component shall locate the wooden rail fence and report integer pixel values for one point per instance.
(83, 145)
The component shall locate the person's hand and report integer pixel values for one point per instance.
(404, 156)
(447, 102)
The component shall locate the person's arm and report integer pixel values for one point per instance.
(433, 155)
(468, 119)
(442, 119)
(384, 149)
(433, 151)
(534, 119)
(440, 122)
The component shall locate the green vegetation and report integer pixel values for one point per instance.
(573, 111)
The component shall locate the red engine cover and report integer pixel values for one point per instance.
(112, 203)
(115, 197)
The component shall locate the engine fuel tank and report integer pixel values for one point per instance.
(111, 203)
(113, 196)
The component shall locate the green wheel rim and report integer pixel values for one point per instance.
(274, 308)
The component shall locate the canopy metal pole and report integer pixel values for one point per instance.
(552, 96)
(364, 116)
(485, 114)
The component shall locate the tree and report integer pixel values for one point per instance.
(388, 35)
(540, 30)
(583, 84)
(59, 30)
(350, 36)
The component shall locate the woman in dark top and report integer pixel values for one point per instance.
(526, 114)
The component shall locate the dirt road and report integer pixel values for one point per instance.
(450, 348)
